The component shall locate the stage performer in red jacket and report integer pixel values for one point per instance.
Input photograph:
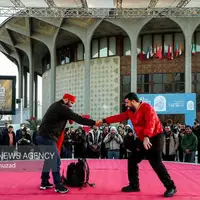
(149, 142)
(49, 138)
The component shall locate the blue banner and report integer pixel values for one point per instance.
(176, 103)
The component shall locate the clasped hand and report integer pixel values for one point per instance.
(99, 123)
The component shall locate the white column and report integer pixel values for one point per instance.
(87, 79)
(53, 75)
(188, 63)
(134, 64)
(31, 81)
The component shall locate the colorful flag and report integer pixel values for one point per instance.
(157, 51)
(180, 49)
(193, 49)
(160, 53)
(148, 52)
(164, 52)
(172, 53)
(177, 50)
(152, 52)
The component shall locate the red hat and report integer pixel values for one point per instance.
(69, 97)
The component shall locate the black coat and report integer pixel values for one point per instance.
(6, 138)
(56, 117)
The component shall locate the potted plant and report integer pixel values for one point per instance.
(32, 124)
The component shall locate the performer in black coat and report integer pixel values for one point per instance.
(50, 130)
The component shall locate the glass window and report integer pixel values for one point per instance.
(80, 51)
(126, 89)
(126, 85)
(157, 78)
(139, 88)
(126, 80)
(95, 49)
(112, 46)
(157, 88)
(167, 87)
(198, 76)
(179, 87)
(198, 88)
(179, 77)
(146, 88)
(143, 78)
(103, 47)
(146, 78)
(139, 78)
(193, 88)
(192, 76)
(127, 46)
(167, 78)
(182, 77)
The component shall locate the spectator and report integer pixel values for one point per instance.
(94, 142)
(19, 132)
(189, 145)
(113, 139)
(171, 144)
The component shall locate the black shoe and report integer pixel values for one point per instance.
(61, 188)
(170, 192)
(130, 188)
(46, 185)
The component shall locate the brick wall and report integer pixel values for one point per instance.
(159, 66)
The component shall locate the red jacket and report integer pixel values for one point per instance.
(145, 121)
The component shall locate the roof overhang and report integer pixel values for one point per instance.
(100, 8)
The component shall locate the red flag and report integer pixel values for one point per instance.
(157, 51)
(141, 56)
(160, 53)
(60, 141)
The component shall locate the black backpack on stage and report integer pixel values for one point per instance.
(77, 174)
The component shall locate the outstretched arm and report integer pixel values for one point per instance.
(116, 118)
(69, 114)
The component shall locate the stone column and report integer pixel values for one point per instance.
(188, 62)
(36, 94)
(31, 81)
(87, 79)
(25, 89)
(53, 74)
(134, 64)
(20, 75)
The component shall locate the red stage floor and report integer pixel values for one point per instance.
(109, 176)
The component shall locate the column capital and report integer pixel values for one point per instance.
(188, 25)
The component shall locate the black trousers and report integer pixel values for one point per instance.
(154, 155)
(198, 149)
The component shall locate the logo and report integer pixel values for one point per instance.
(190, 105)
(160, 104)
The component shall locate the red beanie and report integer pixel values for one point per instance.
(69, 97)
